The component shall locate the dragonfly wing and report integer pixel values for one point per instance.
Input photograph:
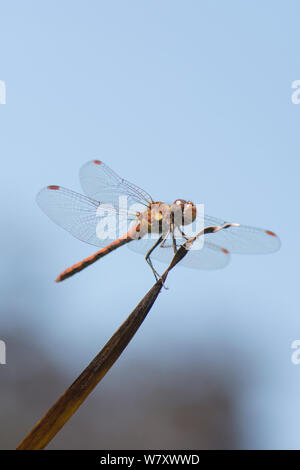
(210, 256)
(101, 183)
(242, 239)
(79, 215)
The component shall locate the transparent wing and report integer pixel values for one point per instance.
(242, 239)
(210, 256)
(101, 183)
(214, 254)
(85, 218)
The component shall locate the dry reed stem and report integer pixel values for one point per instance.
(45, 430)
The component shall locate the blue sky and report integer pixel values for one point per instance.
(188, 100)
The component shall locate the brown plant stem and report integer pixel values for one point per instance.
(45, 430)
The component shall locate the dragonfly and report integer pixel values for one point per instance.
(167, 223)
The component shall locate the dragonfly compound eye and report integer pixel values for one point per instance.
(179, 202)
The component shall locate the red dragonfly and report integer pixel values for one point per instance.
(80, 215)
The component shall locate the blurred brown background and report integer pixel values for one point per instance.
(137, 406)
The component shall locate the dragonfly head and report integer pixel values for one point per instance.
(184, 212)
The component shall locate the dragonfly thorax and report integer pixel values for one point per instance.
(161, 217)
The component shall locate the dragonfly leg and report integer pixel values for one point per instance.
(173, 239)
(174, 244)
(148, 259)
(182, 233)
(162, 245)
